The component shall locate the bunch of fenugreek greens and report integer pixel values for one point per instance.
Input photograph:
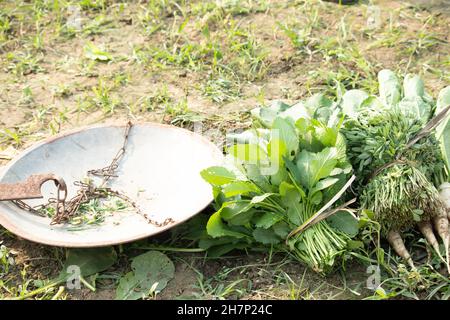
(394, 149)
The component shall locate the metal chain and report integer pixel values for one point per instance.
(87, 191)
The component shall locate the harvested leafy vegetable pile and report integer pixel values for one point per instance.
(285, 182)
(287, 170)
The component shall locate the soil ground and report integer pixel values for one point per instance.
(64, 65)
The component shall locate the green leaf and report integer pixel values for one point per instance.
(126, 288)
(295, 112)
(293, 214)
(325, 135)
(268, 114)
(344, 222)
(266, 236)
(267, 219)
(90, 261)
(413, 86)
(415, 107)
(315, 166)
(352, 101)
(316, 102)
(285, 187)
(294, 170)
(239, 188)
(323, 184)
(389, 87)
(443, 130)
(216, 228)
(279, 177)
(94, 53)
(218, 176)
(281, 229)
(151, 273)
(231, 209)
(261, 198)
(254, 174)
(285, 131)
(354, 244)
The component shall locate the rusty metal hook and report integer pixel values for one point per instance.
(31, 188)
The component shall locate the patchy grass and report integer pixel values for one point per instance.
(64, 64)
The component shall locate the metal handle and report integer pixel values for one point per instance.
(31, 188)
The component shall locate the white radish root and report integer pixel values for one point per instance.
(427, 230)
(441, 226)
(396, 241)
(444, 195)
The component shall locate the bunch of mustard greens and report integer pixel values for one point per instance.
(279, 175)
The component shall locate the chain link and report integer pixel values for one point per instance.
(87, 191)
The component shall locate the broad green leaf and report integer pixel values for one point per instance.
(231, 209)
(285, 187)
(315, 166)
(294, 170)
(341, 147)
(266, 236)
(268, 114)
(242, 219)
(316, 198)
(443, 130)
(218, 176)
(279, 177)
(442, 102)
(216, 228)
(326, 136)
(323, 184)
(151, 273)
(295, 112)
(316, 102)
(303, 126)
(389, 87)
(352, 101)
(262, 181)
(126, 290)
(261, 198)
(292, 197)
(415, 107)
(332, 190)
(277, 150)
(239, 188)
(237, 213)
(413, 86)
(293, 213)
(267, 219)
(281, 229)
(354, 244)
(284, 130)
(344, 222)
(90, 261)
(153, 267)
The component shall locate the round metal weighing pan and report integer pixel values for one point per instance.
(160, 171)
